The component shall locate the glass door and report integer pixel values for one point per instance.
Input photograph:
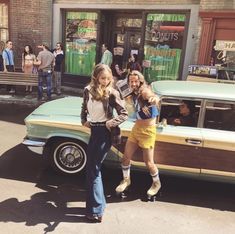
(125, 44)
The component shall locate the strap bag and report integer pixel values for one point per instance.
(116, 137)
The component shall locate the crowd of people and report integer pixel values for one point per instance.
(47, 64)
(115, 62)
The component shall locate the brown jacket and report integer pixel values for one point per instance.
(113, 102)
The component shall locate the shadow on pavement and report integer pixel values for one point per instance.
(51, 205)
(14, 113)
(48, 208)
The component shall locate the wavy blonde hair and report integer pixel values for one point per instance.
(98, 92)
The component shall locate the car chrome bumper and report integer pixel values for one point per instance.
(33, 143)
(35, 146)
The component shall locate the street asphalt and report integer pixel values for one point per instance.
(30, 99)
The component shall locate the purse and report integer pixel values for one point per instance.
(116, 137)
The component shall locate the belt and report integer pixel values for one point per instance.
(97, 124)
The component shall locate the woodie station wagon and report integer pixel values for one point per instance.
(204, 149)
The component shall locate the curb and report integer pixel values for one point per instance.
(31, 99)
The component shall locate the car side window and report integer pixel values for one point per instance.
(180, 112)
(220, 116)
(226, 74)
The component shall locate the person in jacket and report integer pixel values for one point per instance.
(107, 56)
(59, 58)
(8, 63)
(99, 101)
(143, 102)
(133, 64)
(186, 115)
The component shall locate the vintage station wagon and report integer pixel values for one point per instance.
(205, 149)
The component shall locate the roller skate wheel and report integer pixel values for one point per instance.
(152, 198)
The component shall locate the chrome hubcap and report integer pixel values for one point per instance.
(70, 156)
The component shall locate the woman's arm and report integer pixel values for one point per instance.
(118, 104)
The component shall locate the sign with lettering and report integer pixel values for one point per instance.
(225, 45)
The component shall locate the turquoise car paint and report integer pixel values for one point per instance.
(61, 119)
(191, 89)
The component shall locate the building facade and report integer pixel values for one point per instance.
(166, 36)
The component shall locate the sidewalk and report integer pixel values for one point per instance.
(30, 99)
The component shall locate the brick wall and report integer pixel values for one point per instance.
(131, 2)
(30, 23)
(217, 4)
(31, 20)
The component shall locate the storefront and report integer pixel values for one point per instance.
(158, 37)
(217, 46)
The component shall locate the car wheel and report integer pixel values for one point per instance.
(68, 156)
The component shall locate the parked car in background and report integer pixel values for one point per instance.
(213, 74)
(204, 149)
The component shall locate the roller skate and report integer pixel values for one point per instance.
(122, 187)
(152, 192)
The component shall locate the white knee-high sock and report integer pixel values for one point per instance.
(155, 177)
(126, 171)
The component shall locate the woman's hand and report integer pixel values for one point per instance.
(146, 111)
(87, 124)
(154, 100)
(109, 124)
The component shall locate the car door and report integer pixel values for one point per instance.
(218, 132)
(178, 148)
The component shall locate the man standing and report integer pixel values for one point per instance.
(107, 57)
(45, 60)
(8, 62)
(59, 57)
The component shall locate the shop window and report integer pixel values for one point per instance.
(4, 31)
(129, 22)
(163, 46)
(81, 34)
(223, 58)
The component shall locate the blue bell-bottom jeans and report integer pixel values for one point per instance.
(44, 77)
(99, 145)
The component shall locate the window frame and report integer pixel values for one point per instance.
(183, 98)
(6, 2)
(205, 108)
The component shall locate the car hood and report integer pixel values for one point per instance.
(63, 112)
(68, 106)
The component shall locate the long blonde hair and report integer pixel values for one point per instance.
(98, 92)
(139, 75)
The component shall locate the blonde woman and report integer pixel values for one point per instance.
(99, 101)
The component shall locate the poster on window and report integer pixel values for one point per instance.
(163, 46)
(81, 33)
